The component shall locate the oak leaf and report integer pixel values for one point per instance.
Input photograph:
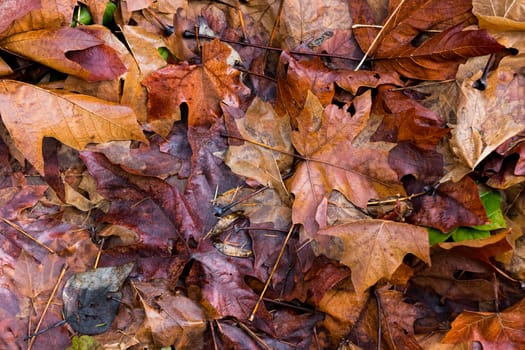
(200, 87)
(69, 50)
(494, 330)
(14, 9)
(31, 113)
(326, 138)
(374, 249)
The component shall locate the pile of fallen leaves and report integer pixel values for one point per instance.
(262, 174)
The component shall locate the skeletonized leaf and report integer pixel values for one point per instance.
(31, 113)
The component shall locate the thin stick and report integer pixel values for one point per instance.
(99, 253)
(241, 19)
(19, 229)
(190, 34)
(253, 73)
(276, 23)
(268, 281)
(379, 331)
(62, 272)
(254, 336)
(373, 46)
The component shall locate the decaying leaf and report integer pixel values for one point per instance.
(75, 120)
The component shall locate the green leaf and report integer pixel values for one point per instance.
(108, 18)
(436, 236)
(82, 16)
(468, 233)
(492, 202)
(164, 52)
(84, 342)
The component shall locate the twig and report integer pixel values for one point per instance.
(274, 268)
(276, 23)
(60, 276)
(189, 34)
(372, 47)
(241, 19)
(19, 229)
(222, 210)
(99, 253)
(255, 336)
(253, 73)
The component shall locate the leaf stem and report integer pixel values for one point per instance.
(19, 229)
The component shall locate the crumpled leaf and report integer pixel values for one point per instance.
(488, 118)
(261, 125)
(374, 249)
(494, 330)
(334, 162)
(202, 88)
(76, 120)
(69, 50)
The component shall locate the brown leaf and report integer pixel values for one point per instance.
(202, 88)
(261, 125)
(76, 121)
(170, 319)
(351, 81)
(488, 118)
(335, 162)
(374, 249)
(14, 9)
(297, 77)
(69, 50)
(452, 205)
(494, 330)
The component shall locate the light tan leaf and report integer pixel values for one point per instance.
(488, 118)
(374, 249)
(31, 113)
(144, 45)
(261, 125)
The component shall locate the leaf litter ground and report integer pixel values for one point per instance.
(261, 174)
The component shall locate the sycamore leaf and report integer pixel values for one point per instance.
(31, 113)
(69, 50)
(358, 171)
(488, 118)
(374, 249)
(201, 87)
(494, 330)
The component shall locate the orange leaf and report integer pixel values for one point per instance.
(374, 249)
(31, 113)
(494, 330)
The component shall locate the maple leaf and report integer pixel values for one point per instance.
(374, 249)
(70, 50)
(76, 121)
(494, 330)
(326, 137)
(201, 87)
